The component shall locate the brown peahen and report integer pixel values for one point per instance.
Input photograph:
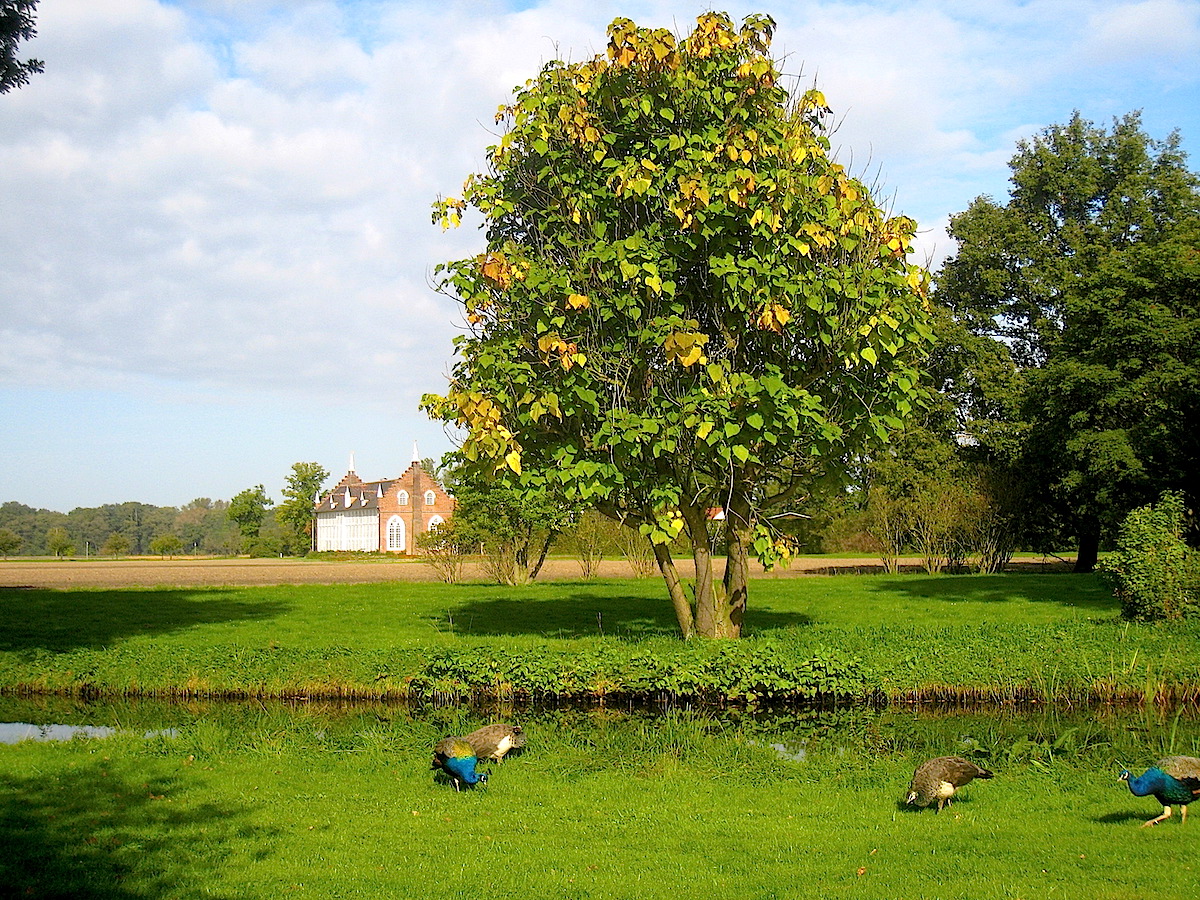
(939, 778)
(493, 742)
(456, 758)
(1174, 780)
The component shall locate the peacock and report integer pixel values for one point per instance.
(456, 757)
(492, 742)
(1174, 780)
(939, 778)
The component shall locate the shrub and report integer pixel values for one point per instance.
(588, 538)
(1153, 572)
(445, 550)
(637, 550)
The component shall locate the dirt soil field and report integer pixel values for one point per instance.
(154, 572)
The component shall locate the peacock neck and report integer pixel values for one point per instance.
(1152, 782)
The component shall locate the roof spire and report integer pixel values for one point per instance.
(351, 460)
(416, 455)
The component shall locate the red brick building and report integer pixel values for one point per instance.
(381, 515)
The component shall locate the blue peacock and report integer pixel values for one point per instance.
(456, 758)
(1174, 781)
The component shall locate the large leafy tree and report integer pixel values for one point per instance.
(295, 513)
(16, 25)
(1086, 279)
(248, 509)
(684, 303)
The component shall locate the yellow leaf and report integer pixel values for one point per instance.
(513, 459)
(773, 317)
(495, 268)
(578, 301)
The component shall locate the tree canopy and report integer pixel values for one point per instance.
(248, 509)
(1086, 280)
(16, 25)
(684, 302)
(295, 513)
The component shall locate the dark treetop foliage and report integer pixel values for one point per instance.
(16, 25)
(1088, 281)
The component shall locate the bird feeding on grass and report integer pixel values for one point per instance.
(456, 758)
(939, 778)
(1171, 781)
(493, 742)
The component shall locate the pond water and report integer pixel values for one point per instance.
(15, 732)
(1095, 735)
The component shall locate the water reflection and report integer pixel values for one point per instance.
(15, 732)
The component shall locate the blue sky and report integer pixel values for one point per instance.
(215, 245)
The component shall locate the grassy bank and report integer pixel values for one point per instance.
(252, 802)
(1008, 637)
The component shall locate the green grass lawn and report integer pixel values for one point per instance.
(390, 615)
(261, 803)
(1028, 635)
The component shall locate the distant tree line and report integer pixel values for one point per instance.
(247, 524)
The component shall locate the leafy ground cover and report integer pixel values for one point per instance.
(255, 801)
(1014, 637)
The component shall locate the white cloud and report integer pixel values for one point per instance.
(1164, 33)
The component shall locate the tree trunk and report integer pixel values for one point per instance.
(737, 566)
(679, 599)
(541, 560)
(1089, 546)
(712, 615)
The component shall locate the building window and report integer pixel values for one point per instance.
(435, 521)
(402, 498)
(395, 534)
(430, 498)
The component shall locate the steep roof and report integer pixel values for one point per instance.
(355, 495)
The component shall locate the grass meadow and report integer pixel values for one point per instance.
(253, 801)
(265, 799)
(1028, 636)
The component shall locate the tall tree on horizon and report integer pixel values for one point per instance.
(1088, 282)
(296, 512)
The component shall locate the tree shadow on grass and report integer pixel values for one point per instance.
(1079, 592)
(59, 621)
(94, 832)
(578, 612)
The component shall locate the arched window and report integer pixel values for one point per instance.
(435, 521)
(402, 498)
(430, 498)
(395, 534)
